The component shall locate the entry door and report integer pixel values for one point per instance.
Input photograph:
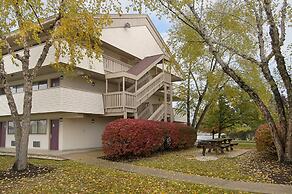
(54, 135)
(2, 135)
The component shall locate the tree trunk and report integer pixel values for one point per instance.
(289, 136)
(189, 99)
(253, 95)
(281, 66)
(284, 149)
(202, 116)
(21, 159)
(21, 150)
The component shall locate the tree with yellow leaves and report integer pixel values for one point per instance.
(260, 30)
(72, 27)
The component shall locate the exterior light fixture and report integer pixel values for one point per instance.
(127, 25)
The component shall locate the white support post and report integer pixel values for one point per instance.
(106, 86)
(151, 108)
(171, 109)
(136, 115)
(165, 103)
(136, 109)
(124, 98)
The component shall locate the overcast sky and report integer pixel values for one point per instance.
(163, 25)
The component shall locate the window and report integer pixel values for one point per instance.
(33, 127)
(41, 85)
(38, 127)
(13, 143)
(11, 128)
(36, 144)
(42, 126)
(16, 89)
(2, 91)
(19, 88)
(55, 82)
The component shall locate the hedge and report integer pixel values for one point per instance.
(134, 137)
(264, 139)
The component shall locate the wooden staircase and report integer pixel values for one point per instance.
(133, 101)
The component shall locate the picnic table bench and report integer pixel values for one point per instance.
(217, 144)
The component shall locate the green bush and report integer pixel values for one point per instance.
(264, 139)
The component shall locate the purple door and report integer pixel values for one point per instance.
(2, 135)
(54, 136)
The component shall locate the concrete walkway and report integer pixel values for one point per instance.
(91, 158)
(47, 154)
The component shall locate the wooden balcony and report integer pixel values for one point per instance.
(112, 65)
(119, 102)
(123, 102)
(143, 80)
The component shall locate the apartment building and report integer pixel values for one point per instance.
(69, 112)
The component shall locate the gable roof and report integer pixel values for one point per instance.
(144, 64)
(118, 21)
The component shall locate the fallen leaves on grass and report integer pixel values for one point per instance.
(266, 167)
(247, 167)
(74, 177)
(31, 171)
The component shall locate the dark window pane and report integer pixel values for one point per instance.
(43, 85)
(33, 127)
(36, 144)
(35, 86)
(19, 88)
(42, 126)
(2, 91)
(13, 143)
(11, 128)
(55, 82)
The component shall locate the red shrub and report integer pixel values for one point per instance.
(129, 137)
(264, 139)
(187, 136)
(181, 136)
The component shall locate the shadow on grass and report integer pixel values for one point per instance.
(31, 172)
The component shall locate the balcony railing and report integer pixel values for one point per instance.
(123, 100)
(113, 65)
(115, 101)
(58, 99)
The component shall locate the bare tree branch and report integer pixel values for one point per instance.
(48, 44)
(283, 20)
(36, 16)
(10, 50)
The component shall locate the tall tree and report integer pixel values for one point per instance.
(222, 116)
(72, 27)
(232, 112)
(199, 70)
(248, 21)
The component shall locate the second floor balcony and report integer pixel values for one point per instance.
(58, 99)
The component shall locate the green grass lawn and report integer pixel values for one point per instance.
(246, 144)
(184, 161)
(73, 177)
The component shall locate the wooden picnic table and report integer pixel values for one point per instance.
(217, 143)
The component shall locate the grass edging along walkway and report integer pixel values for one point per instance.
(75, 177)
(177, 176)
(90, 158)
(249, 167)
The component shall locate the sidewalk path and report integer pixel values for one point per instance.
(91, 158)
